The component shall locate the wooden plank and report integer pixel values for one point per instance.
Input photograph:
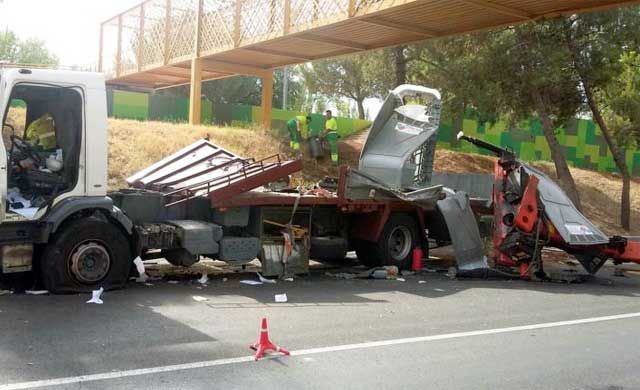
(237, 23)
(267, 99)
(287, 17)
(278, 53)
(198, 32)
(119, 48)
(167, 32)
(233, 68)
(195, 93)
(501, 9)
(333, 41)
(141, 38)
(406, 27)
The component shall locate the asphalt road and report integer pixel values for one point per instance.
(342, 334)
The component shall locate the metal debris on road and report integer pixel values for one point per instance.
(251, 282)
(36, 292)
(265, 280)
(95, 297)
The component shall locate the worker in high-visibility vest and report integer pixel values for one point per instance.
(42, 132)
(298, 128)
(331, 135)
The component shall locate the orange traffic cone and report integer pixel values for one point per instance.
(264, 344)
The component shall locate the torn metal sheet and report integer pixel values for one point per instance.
(401, 144)
(360, 185)
(464, 232)
(574, 227)
(203, 168)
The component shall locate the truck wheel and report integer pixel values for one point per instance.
(396, 243)
(84, 255)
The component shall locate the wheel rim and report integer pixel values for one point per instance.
(90, 262)
(399, 243)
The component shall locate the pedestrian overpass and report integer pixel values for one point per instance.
(164, 43)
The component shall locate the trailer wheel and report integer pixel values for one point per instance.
(84, 255)
(396, 243)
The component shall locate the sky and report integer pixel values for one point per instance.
(70, 28)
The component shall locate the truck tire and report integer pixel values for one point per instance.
(395, 245)
(84, 255)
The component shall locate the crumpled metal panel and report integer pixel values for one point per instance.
(464, 232)
(401, 143)
(574, 227)
(199, 162)
(204, 169)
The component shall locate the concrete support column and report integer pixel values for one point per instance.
(267, 99)
(195, 95)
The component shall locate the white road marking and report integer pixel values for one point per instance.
(303, 352)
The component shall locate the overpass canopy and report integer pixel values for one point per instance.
(153, 44)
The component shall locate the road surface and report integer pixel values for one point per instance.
(357, 334)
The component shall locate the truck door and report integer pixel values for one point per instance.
(42, 136)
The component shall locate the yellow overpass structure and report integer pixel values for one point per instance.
(164, 43)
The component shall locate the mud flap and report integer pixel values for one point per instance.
(464, 232)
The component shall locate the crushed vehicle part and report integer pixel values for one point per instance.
(204, 169)
(400, 148)
(464, 232)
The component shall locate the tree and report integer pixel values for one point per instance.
(346, 77)
(28, 51)
(597, 42)
(528, 64)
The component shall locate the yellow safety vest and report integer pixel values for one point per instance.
(304, 126)
(331, 124)
(42, 132)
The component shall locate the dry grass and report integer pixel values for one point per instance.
(135, 145)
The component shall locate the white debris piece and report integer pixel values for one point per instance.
(288, 279)
(173, 282)
(251, 282)
(401, 279)
(5, 292)
(204, 279)
(36, 292)
(422, 281)
(143, 278)
(438, 289)
(281, 298)
(95, 297)
(265, 280)
(198, 298)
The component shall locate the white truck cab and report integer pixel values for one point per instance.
(53, 203)
(77, 103)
